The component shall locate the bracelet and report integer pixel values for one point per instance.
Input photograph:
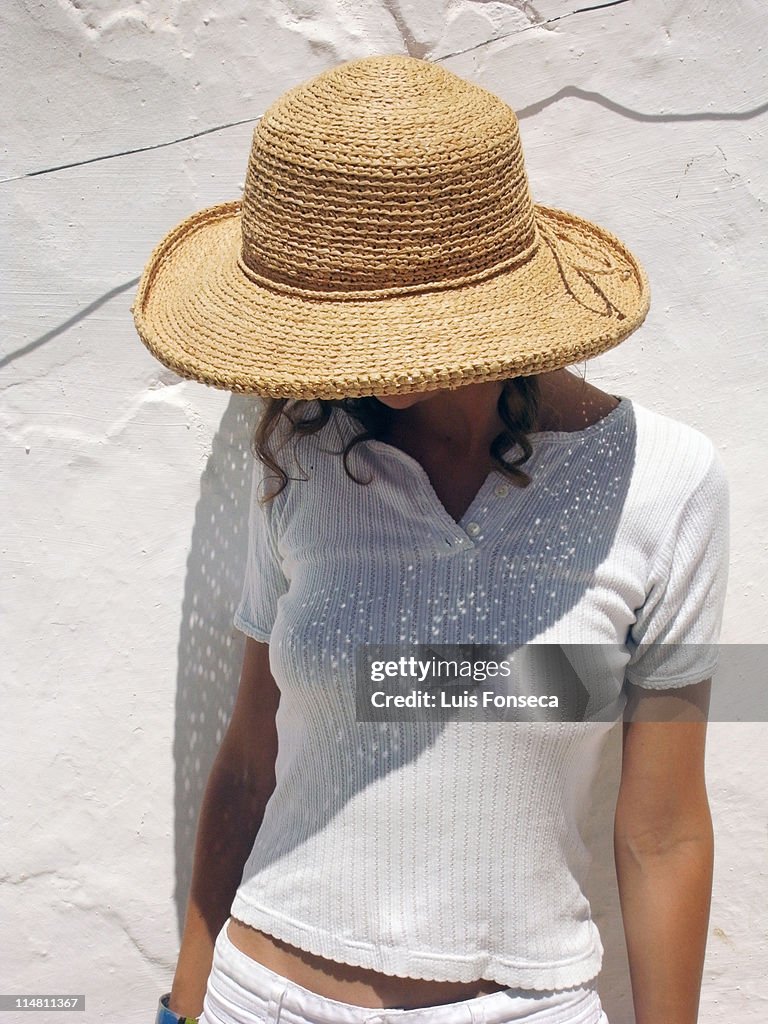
(166, 1016)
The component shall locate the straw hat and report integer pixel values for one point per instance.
(386, 242)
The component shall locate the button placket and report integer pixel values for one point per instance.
(474, 528)
(454, 536)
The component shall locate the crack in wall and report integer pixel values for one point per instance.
(585, 10)
(731, 174)
(685, 171)
(540, 23)
(130, 152)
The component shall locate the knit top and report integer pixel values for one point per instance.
(455, 850)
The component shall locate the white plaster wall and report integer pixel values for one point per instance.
(124, 487)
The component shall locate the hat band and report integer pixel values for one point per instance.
(353, 295)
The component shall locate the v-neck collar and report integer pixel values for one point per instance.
(429, 499)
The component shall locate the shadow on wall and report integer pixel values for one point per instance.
(210, 648)
(210, 656)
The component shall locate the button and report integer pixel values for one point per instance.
(473, 529)
(502, 490)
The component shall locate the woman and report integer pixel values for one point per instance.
(389, 267)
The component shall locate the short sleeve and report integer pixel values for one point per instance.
(674, 639)
(264, 582)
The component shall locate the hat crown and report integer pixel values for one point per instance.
(385, 174)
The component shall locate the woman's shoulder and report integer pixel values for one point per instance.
(673, 451)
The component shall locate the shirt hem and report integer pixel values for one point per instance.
(420, 964)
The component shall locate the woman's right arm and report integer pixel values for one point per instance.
(240, 784)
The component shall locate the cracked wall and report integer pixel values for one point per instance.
(125, 487)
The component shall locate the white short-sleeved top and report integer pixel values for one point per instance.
(454, 850)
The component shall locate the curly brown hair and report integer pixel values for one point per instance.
(518, 407)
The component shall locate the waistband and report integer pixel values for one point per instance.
(243, 991)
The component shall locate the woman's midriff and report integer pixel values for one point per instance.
(347, 984)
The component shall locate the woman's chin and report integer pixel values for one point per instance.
(403, 401)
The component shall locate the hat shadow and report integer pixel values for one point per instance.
(211, 651)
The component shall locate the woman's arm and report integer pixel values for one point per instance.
(664, 850)
(240, 784)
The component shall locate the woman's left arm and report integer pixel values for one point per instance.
(664, 851)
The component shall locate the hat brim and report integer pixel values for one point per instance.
(201, 316)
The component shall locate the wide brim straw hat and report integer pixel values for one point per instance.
(386, 242)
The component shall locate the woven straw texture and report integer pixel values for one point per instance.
(386, 242)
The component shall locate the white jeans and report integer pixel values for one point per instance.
(242, 991)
